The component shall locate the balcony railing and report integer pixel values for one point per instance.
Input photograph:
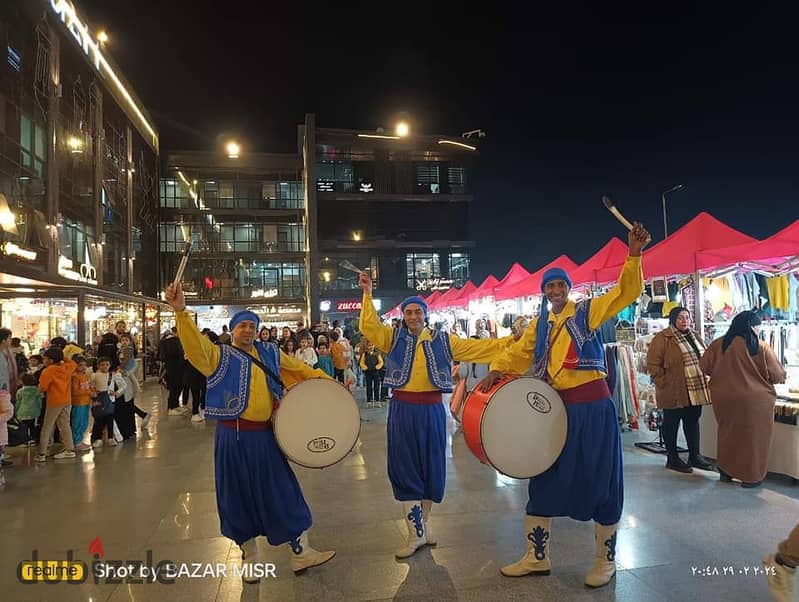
(233, 246)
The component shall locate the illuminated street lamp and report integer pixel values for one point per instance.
(102, 37)
(233, 149)
(402, 129)
(75, 145)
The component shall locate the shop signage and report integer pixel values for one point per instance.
(277, 310)
(10, 248)
(433, 284)
(264, 293)
(324, 305)
(86, 273)
(353, 305)
(79, 30)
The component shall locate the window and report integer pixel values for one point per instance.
(421, 266)
(459, 268)
(33, 154)
(334, 277)
(290, 195)
(427, 179)
(175, 194)
(457, 180)
(334, 176)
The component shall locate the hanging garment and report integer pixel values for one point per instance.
(779, 292)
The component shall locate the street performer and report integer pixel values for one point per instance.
(419, 370)
(257, 493)
(565, 350)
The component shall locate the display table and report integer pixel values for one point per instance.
(783, 456)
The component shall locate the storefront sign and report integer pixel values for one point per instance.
(10, 248)
(353, 305)
(264, 293)
(79, 30)
(277, 310)
(433, 284)
(324, 306)
(86, 273)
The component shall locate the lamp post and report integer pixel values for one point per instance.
(663, 196)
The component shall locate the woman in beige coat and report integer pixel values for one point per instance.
(743, 372)
(680, 387)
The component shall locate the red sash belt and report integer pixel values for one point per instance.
(596, 390)
(419, 397)
(246, 425)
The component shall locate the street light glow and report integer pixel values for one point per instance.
(102, 36)
(402, 129)
(356, 236)
(233, 149)
(75, 145)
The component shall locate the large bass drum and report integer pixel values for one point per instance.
(317, 423)
(518, 427)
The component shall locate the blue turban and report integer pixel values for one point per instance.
(244, 316)
(543, 320)
(555, 274)
(415, 299)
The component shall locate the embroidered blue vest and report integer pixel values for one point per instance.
(587, 342)
(228, 391)
(437, 354)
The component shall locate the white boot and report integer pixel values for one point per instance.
(414, 521)
(605, 561)
(536, 559)
(427, 506)
(303, 556)
(249, 556)
(781, 580)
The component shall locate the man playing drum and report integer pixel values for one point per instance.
(419, 370)
(256, 490)
(586, 481)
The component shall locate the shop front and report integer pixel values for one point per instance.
(271, 314)
(36, 313)
(344, 310)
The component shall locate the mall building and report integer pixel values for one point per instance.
(79, 172)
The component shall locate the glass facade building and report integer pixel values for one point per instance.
(78, 180)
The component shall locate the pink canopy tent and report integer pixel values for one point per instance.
(444, 300)
(677, 254)
(774, 251)
(514, 275)
(462, 300)
(613, 253)
(531, 285)
(486, 289)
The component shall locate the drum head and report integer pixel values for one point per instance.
(523, 429)
(317, 423)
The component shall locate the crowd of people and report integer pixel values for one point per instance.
(80, 398)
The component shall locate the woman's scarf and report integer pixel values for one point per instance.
(695, 379)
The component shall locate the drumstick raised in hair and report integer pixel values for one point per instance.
(349, 266)
(612, 208)
(182, 265)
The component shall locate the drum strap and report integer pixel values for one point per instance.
(550, 342)
(268, 371)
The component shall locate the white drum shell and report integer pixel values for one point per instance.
(318, 423)
(524, 427)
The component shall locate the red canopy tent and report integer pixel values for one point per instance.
(444, 300)
(613, 253)
(677, 254)
(531, 285)
(514, 275)
(432, 297)
(486, 289)
(773, 251)
(462, 300)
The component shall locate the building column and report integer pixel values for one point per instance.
(82, 319)
(311, 217)
(97, 160)
(53, 120)
(129, 200)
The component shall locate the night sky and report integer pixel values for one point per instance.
(575, 102)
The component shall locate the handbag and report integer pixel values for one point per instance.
(103, 404)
